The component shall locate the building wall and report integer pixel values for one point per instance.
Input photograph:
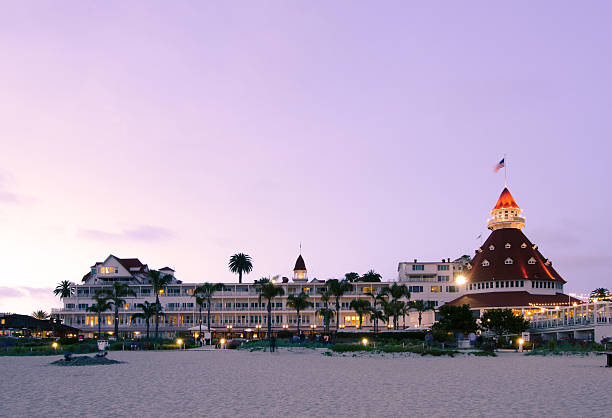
(432, 281)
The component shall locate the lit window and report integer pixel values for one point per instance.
(307, 290)
(436, 289)
(485, 263)
(491, 247)
(508, 261)
(507, 245)
(108, 270)
(531, 261)
(523, 245)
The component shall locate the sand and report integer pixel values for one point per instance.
(307, 383)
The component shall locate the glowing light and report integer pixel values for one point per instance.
(364, 341)
(54, 345)
(179, 342)
(460, 279)
(222, 341)
(521, 341)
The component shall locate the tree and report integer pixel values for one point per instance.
(207, 290)
(102, 305)
(351, 277)
(159, 283)
(503, 321)
(64, 289)
(421, 306)
(325, 312)
(268, 290)
(601, 293)
(371, 277)
(240, 263)
(361, 308)
(299, 303)
(376, 297)
(149, 310)
(395, 305)
(115, 296)
(456, 319)
(40, 315)
(337, 289)
(376, 315)
(200, 303)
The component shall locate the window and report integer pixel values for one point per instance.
(531, 261)
(436, 289)
(416, 267)
(496, 284)
(491, 247)
(443, 267)
(523, 245)
(443, 278)
(109, 270)
(507, 245)
(307, 290)
(508, 261)
(485, 263)
(415, 289)
(452, 289)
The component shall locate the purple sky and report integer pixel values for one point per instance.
(181, 134)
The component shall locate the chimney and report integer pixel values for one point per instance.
(415, 260)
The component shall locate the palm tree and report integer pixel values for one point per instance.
(240, 263)
(102, 305)
(40, 315)
(396, 292)
(64, 289)
(115, 296)
(361, 308)
(159, 283)
(351, 277)
(600, 293)
(206, 291)
(376, 297)
(200, 302)
(299, 303)
(421, 306)
(268, 290)
(371, 277)
(325, 312)
(376, 315)
(337, 289)
(149, 310)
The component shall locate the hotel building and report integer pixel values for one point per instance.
(508, 270)
(234, 309)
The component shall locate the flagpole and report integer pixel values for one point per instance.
(505, 171)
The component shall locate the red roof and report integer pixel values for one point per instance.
(506, 200)
(520, 253)
(512, 299)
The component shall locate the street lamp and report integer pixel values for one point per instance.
(54, 345)
(521, 341)
(364, 342)
(179, 342)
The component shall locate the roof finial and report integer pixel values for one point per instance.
(505, 171)
(300, 247)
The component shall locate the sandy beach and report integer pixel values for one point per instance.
(306, 383)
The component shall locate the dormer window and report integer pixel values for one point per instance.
(507, 245)
(485, 263)
(469, 267)
(480, 250)
(509, 261)
(523, 245)
(109, 270)
(491, 247)
(531, 261)
(548, 263)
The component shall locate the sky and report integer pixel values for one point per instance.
(182, 133)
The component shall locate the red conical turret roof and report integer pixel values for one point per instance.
(506, 200)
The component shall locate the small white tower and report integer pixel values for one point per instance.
(299, 271)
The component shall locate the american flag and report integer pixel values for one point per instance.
(500, 165)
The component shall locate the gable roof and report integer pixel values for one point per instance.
(506, 200)
(520, 267)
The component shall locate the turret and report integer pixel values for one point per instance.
(299, 271)
(506, 213)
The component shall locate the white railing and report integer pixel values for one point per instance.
(586, 314)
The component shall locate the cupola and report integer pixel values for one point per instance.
(299, 271)
(506, 213)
